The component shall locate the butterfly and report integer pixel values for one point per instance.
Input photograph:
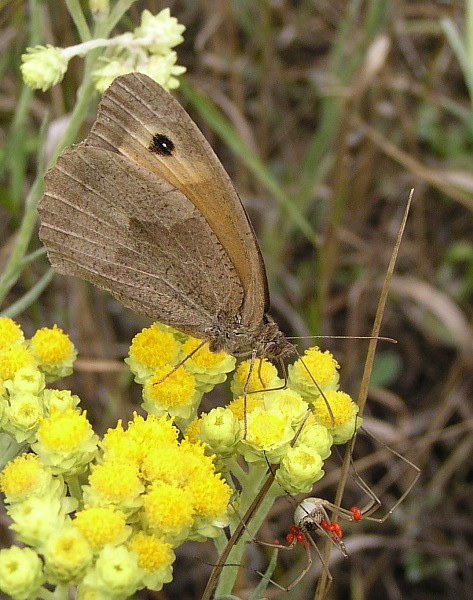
(144, 209)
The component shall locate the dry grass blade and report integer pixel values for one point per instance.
(363, 394)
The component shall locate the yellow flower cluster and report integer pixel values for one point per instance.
(145, 493)
(170, 387)
(293, 425)
(257, 426)
(25, 367)
(106, 514)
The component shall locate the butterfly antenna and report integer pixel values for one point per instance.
(319, 389)
(379, 338)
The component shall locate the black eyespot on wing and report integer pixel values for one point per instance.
(160, 144)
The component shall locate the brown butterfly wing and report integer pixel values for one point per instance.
(109, 221)
(133, 110)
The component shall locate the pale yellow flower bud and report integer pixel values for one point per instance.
(43, 67)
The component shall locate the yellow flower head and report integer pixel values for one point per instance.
(10, 333)
(169, 511)
(118, 446)
(43, 66)
(102, 525)
(240, 409)
(21, 572)
(22, 416)
(166, 464)
(36, 518)
(147, 50)
(54, 351)
(66, 441)
(209, 368)
(289, 403)
(344, 411)
(24, 476)
(27, 380)
(114, 483)
(151, 348)
(151, 432)
(264, 376)
(176, 394)
(176, 465)
(155, 557)
(142, 436)
(315, 366)
(299, 469)
(13, 358)
(192, 430)
(197, 456)
(210, 495)
(116, 574)
(67, 556)
(162, 31)
(220, 430)
(317, 437)
(59, 400)
(268, 436)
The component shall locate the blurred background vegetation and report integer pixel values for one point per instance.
(325, 114)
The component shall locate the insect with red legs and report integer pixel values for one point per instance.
(312, 516)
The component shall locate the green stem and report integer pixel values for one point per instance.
(237, 470)
(9, 448)
(29, 297)
(77, 14)
(13, 269)
(255, 478)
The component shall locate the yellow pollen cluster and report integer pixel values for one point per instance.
(340, 403)
(100, 525)
(263, 376)
(51, 346)
(265, 429)
(10, 332)
(203, 357)
(14, 358)
(20, 475)
(210, 495)
(166, 464)
(174, 390)
(153, 552)
(153, 347)
(117, 445)
(237, 406)
(152, 431)
(115, 481)
(193, 430)
(64, 430)
(322, 366)
(168, 508)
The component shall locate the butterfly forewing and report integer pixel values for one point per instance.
(111, 222)
(133, 111)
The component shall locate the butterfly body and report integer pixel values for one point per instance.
(143, 208)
